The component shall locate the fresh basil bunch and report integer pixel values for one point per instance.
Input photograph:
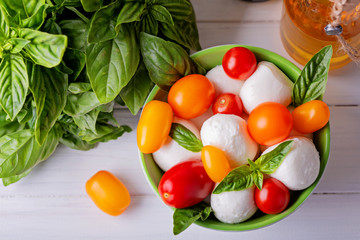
(64, 63)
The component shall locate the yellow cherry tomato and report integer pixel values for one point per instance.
(215, 163)
(154, 126)
(311, 116)
(108, 193)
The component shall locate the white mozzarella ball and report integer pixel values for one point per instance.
(235, 206)
(230, 134)
(301, 165)
(267, 84)
(171, 153)
(222, 82)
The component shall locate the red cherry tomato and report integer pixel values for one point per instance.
(228, 103)
(273, 198)
(185, 184)
(270, 123)
(311, 116)
(239, 63)
(191, 96)
(108, 193)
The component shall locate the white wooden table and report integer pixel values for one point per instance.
(51, 202)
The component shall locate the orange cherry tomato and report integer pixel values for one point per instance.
(154, 126)
(108, 193)
(191, 96)
(270, 123)
(311, 116)
(215, 162)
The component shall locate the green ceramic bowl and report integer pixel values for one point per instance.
(209, 58)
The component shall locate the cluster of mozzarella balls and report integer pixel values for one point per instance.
(229, 133)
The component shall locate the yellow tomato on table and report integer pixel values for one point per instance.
(108, 193)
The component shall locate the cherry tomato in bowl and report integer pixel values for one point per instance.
(215, 162)
(270, 123)
(227, 103)
(273, 198)
(239, 63)
(191, 96)
(311, 116)
(154, 126)
(185, 184)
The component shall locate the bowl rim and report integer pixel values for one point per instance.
(288, 68)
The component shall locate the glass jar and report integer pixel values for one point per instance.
(302, 29)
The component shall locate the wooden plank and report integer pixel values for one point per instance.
(237, 11)
(69, 169)
(76, 217)
(344, 151)
(343, 84)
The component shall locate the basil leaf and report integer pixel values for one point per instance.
(311, 83)
(23, 8)
(14, 84)
(18, 44)
(104, 133)
(25, 156)
(102, 26)
(7, 126)
(51, 26)
(63, 68)
(111, 64)
(87, 121)
(253, 165)
(71, 136)
(179, 10)
(15, 178)
(75, 142)
(44, 49)
(270, 161)
(166, 61)
(80, 104)
(76, 31)
(67, 3)
(10, 143)
(75, 59)
(108, 107)
(161, 14)
(185, 138)
(149, 25)
(130, 12)
(25, 115)
(4, 25)
(238, 179)
(135, 92)
(184, 217)
(91, 5)
(183, 32)
(48, 87)
(107, 117)
(258, 179)
(37, 19)
(79, 87)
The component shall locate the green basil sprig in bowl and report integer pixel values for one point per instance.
(211, 57)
